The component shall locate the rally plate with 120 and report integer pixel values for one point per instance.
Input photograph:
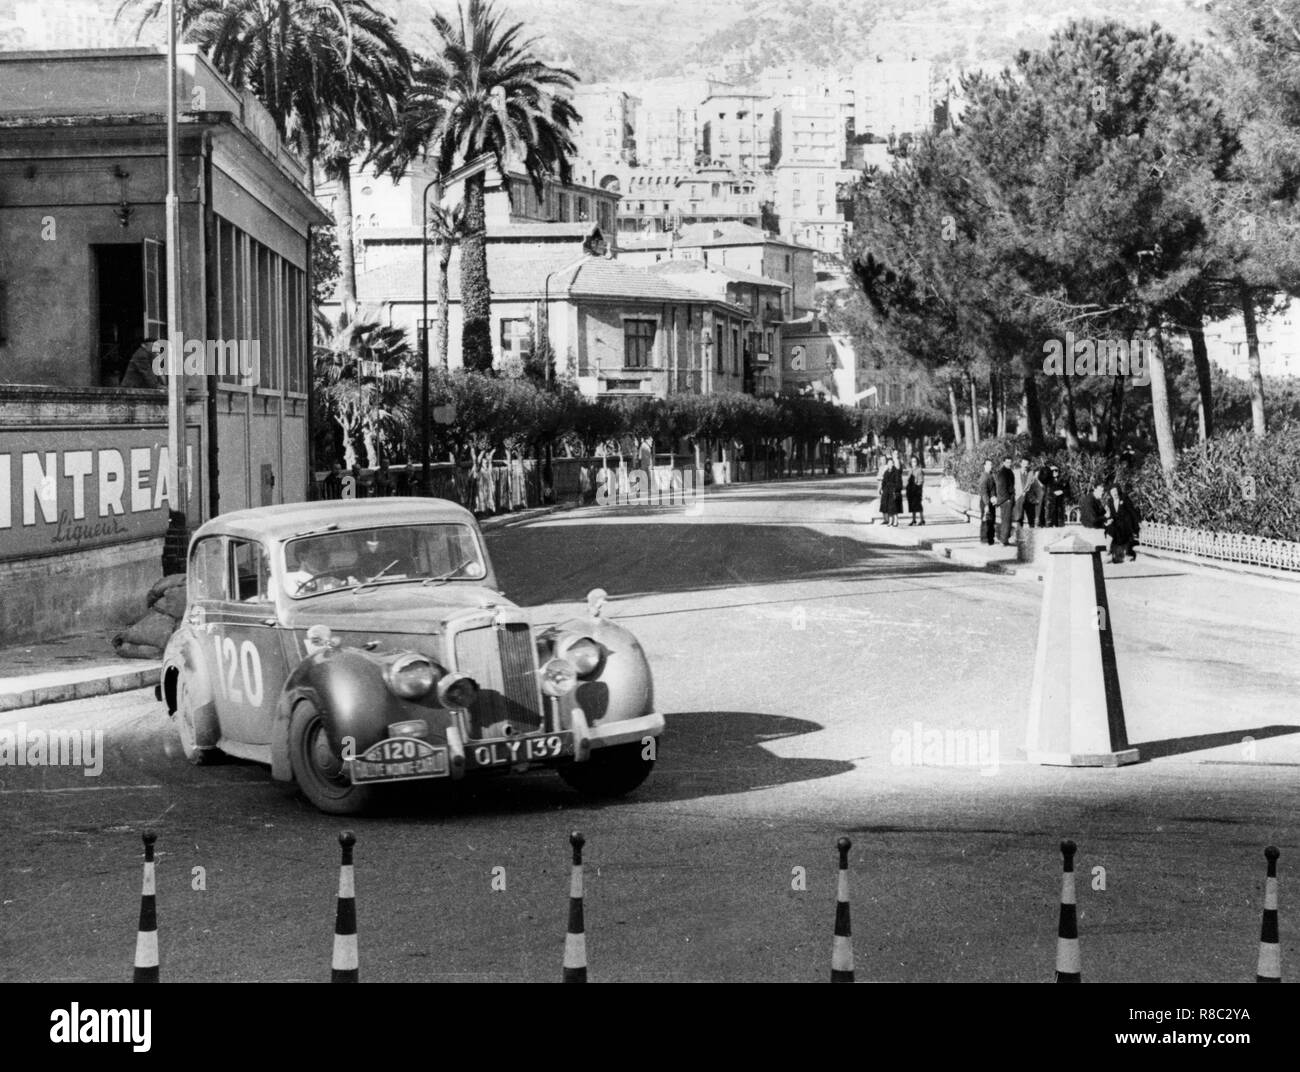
(399, 759)
(508, 751)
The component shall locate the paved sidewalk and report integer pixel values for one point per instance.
(947, 533)
(68, 668)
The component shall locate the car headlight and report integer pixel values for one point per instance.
(457, 690)
(585, 654)
(559, 677)
(411, 676)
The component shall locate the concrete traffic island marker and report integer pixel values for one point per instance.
(1076, 715)
(842, 946)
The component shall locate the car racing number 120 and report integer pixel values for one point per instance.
(239, 671)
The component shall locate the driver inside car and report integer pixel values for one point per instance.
(380, 554)
(312, 572)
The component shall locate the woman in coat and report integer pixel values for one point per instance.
(915, 487)
(882, 478)
(891, 493)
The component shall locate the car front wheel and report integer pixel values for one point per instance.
(319, 769)
(610, 772)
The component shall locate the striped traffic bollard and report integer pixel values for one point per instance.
(345, 919)
(842, 947)
(146, 939)
(1067, 931)
(1270, 952)
(575, 941)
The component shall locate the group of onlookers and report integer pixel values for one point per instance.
(894, 482)
(1015, 494)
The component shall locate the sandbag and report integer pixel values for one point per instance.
(154, 630)
(137, 651)
(172, 580)
(172, 602)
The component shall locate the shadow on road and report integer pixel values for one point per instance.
(1175, 746)
(703, 754)
(683, 556)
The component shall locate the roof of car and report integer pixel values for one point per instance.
(298, 519)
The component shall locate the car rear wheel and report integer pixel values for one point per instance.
(318, 769)
(610, 772)
(188, 703)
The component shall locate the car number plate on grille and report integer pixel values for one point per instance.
(510, 750)
(399, 759)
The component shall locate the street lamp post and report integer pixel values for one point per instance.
(178, 472)
(426, 477)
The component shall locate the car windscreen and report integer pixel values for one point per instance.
(395, 553)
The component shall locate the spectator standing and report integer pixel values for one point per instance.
(1125, 522)
(334, 482)
(915, 490)
(1006, 490)
(988, 496)
(1046, 485)
(383, 480)
(891, 493)
(1026, 495)
(880, 487)
(1052, 508)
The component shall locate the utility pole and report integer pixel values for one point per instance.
(178, 472)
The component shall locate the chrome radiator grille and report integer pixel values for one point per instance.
(503, 662)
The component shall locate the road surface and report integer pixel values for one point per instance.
(814, 684)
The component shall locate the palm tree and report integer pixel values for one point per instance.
(330, 73)
(484, 91)
(447, 228)
(363, 379)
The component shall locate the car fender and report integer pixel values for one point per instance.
(347, 686)
(623, 688)
(184, 654)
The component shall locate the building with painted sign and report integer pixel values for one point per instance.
(84, 500)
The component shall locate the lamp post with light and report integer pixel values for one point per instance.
(426, 478)
(178, 476)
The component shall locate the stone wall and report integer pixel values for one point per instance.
(101, 589)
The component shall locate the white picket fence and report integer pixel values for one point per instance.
(1227, 546)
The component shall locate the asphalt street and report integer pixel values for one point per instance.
(814, 684)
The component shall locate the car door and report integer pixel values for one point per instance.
(206, 597)
(245, 647)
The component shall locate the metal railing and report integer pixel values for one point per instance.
(1226, 546)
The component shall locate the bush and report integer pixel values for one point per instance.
(1234, 483)
(967, 464)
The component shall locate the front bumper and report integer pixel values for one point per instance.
(624, 732)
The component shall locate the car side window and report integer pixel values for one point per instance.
(250, 570)
(208, 570)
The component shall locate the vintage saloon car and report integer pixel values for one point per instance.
(356, 643)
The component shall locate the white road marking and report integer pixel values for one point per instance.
(120, 788)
